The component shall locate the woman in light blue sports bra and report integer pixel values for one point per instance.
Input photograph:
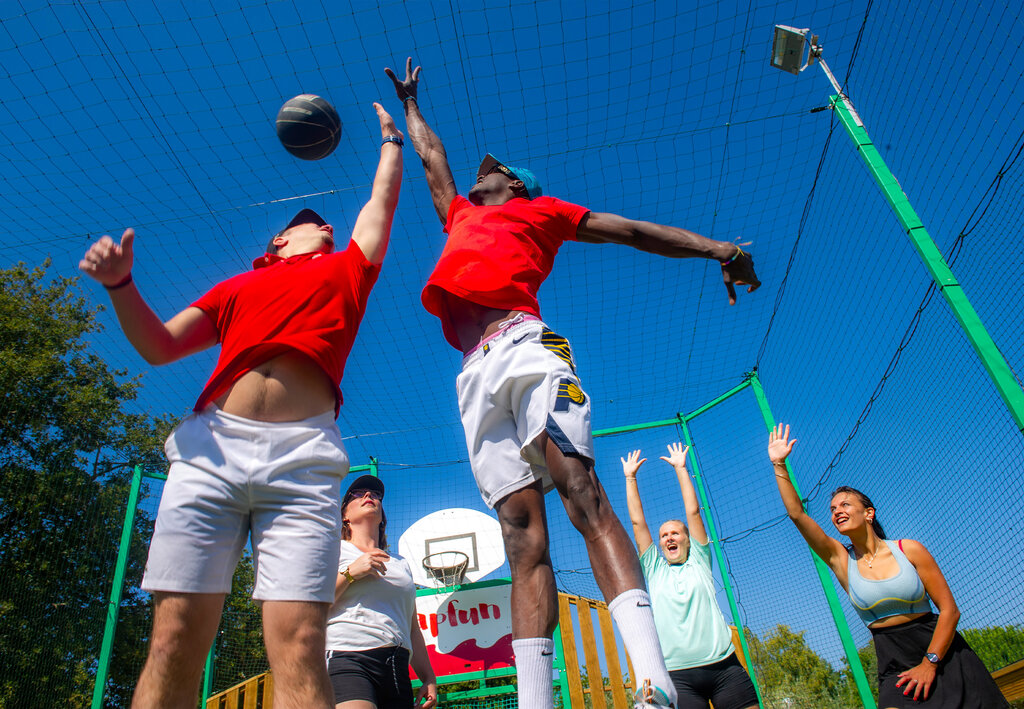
(922, 660)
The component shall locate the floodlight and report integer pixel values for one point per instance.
(788, 49)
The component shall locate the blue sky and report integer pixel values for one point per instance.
(160, 116)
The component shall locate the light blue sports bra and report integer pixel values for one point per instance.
(902, 593)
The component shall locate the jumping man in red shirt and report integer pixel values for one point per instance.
(262, 454)
(526, 417)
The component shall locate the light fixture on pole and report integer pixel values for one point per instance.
(787, 54)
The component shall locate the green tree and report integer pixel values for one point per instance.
(791, 674)
(67, 448)
(997, 646)
(869, 661)
(239, 652)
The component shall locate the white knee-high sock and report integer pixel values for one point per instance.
(534, 663)
(631, 611)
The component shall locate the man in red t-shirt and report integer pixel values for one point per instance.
(262, 454)
(526, 416)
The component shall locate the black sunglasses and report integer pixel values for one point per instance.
(374, 494)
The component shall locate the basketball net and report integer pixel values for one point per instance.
(447, 567)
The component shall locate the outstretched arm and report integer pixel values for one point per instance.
(428, 146)
(158, 342)
(373, 226)
(828, 549)
(677, 459)
(630, 464)
(737, 264)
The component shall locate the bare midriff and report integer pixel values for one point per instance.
(892, 620)
(474, 322)
(289, 387)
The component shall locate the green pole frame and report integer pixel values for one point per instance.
(116, 590)
(559, 664)
(716, 545)
(995, 364)
(824, 574)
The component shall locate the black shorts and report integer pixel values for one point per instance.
(724, 683)
(380, 676)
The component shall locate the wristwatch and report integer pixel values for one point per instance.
(932, 658)
(352, 579)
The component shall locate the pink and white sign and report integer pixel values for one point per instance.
(469, 630)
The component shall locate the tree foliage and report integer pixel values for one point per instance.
(67, 449)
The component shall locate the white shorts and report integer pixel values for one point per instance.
(231, 477)
(517, 384)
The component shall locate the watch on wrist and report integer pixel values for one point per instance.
(932, 658)
(352, 579)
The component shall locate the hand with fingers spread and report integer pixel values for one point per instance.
(738, 270)
(109, 263)
(677, 456)
(405, 88)
(780, 445)
(631, 463)
(918, 679)
(371, 563)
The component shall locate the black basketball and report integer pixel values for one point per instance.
(309, 127)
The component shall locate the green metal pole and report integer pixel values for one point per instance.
(211, 657)
(995, 364)
(720, 556)
(824, 575)
(563, 684)
(116, 589)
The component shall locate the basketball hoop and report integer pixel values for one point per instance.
(447, 567)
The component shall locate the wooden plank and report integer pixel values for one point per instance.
(268, 691)
(1010, 680)
(231, 697)
(594, 675)
(572, 663)
(611, 655)
(738, 647)
(251, 689)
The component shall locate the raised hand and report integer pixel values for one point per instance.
(371, 563)
(110, 263)
(631, 463)
(739, 271)
(676, 455)
(779, 444)
(407, 87)
(387, 123)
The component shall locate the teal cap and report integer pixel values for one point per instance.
(527, 177)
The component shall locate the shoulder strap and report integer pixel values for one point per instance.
(899, 543)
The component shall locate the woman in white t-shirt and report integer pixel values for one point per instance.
(372, 627)
(695, 639)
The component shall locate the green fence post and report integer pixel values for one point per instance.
(211, 657)
(563, 685)
(720, 556)
(114, 604)
(824, 575)
(995, 364)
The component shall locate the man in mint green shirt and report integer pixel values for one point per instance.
(695, 639)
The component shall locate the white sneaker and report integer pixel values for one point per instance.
(650, 696)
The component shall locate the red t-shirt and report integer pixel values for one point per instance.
(312, 303)
(497, 256)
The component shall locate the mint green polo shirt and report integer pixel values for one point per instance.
(690, 624)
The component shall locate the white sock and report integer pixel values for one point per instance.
(534, 662)
(631, 611)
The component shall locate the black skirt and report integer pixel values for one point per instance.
(961, 680)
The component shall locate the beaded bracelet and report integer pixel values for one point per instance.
(393, 139)
(735, 256)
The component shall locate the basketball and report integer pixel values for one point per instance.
(308, 127)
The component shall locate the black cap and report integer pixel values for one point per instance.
(366, 482)
(305, 216)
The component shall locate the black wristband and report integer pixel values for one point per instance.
(120, 284)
